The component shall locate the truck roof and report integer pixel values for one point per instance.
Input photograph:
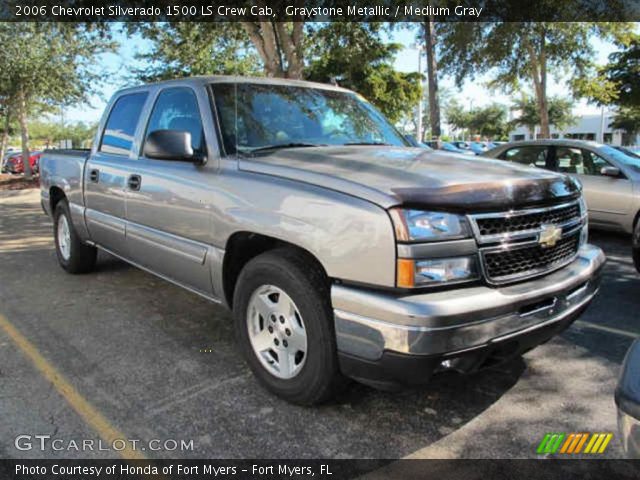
(208, 79)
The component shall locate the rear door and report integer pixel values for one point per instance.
(107, 171)
(169, 213)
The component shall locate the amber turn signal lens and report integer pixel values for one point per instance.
(406, 272)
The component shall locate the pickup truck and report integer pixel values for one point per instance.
(342, 251)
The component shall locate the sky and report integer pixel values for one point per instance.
(117, 66)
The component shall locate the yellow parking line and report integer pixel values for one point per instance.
(604, 328)
(88, 412)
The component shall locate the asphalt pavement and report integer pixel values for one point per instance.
(119, 352)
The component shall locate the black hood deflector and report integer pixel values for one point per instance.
(491, 196)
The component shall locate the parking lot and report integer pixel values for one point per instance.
(140, 357)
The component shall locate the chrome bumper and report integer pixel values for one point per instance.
(370, 323)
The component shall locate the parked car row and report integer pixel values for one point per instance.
(14, 164)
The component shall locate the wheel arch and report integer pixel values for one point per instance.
(243, 246)
(56, 194)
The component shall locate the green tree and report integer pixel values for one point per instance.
(355, 56)
(617, 82)
(188, 48)
(47, 64)
(489, 122)
(559, 113)
(49, 133)
(627, 119)
(519, 51)
(457, 116)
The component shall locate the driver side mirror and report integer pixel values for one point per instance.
(610, 172)
(170, 145)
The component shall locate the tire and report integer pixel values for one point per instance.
(635, 247)
(318, 377)
(73, 255)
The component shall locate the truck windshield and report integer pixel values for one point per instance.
(258, 117)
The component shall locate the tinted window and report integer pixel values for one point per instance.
(534, 156)
(630, 158)
(593, 163)
(254, 116)
(177, 109)
(121, 125)
(570, 160)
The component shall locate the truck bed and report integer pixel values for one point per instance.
(63, 168)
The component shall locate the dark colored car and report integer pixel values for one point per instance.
(478, 147)
(450, 147)
(628, 401)
(14, 163)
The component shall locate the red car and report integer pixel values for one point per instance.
(14, 163)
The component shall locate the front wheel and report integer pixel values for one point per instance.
(284, 325)
(635, 247)
(73, 255)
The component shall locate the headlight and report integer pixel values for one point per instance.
(416, 273)
(420, 226)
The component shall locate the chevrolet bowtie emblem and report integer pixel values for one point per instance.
(549, 235)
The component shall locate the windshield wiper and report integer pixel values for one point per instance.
(368, 143)
(284, 145)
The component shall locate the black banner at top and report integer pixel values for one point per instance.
(321, 10)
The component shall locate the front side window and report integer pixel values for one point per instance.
(570, 160)
(534, 156)
(628, 159)
(177, 109)
(257, 116)
(594, 163)
(121, 125)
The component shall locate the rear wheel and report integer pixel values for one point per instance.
(284, 325)
(73, 255)
(635, 248)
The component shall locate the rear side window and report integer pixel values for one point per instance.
(534, 156)
(177, 109)
(121, 125)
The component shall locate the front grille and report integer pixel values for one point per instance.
(521, 262)
(527, 221)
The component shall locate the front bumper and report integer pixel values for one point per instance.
(385, 337)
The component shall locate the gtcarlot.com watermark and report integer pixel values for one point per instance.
(47, 443)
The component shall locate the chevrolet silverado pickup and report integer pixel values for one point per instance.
(342, 251)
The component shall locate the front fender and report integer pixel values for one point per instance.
(352, 238)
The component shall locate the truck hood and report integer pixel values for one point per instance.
(417, 177)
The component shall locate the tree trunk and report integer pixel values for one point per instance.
(24, 131)
(263, 38)
(281, 52)
(5, 134)
(291, 45)
(538, 61)
(432, 78)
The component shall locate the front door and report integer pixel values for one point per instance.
(169, 216)
(608, 198)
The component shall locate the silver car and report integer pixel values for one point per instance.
(610, 177)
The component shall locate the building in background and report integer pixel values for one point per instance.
(587, 127)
